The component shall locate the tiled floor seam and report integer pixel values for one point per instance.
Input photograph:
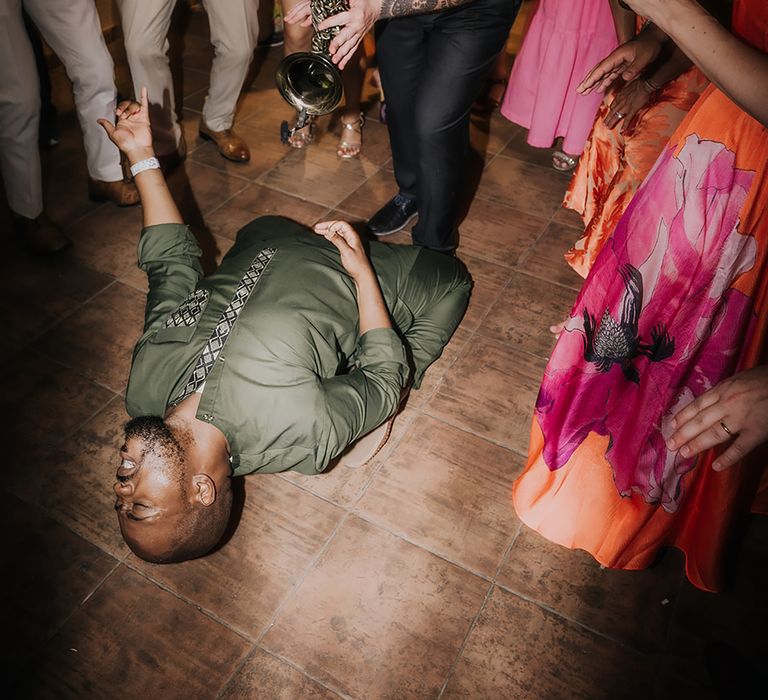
(294, 666)
(297, 584)
(65, 315)
(592, 630)
(405, 538)
(464, 429)
(465, 641)
(213, 616)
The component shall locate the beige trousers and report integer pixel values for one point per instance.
(72, 29)
(234, 28)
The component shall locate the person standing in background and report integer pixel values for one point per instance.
(234, 28)
(563, 42)
(73, 30)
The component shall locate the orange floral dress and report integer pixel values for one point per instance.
(614, 164)
(676, 301)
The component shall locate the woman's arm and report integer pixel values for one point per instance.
(739, 70)
(624, 20)
(133, 136)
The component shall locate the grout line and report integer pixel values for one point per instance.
(307, 569)
(465, 641)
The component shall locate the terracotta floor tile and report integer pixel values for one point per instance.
(632, 606)
(489, 135)
(494, 232)
(267, 677)
(528, 188)
(281, 530)
(448, 491)
(44, 401)
(257, 200)
(490, 391)
(136, 637)
(488, 280)
(436, 372)
(72, 480)
(373, 194)
(545, 258)
(344, 485)
(107, 239)
(49, 572)
(198, 189)
(569, 218)
(517, 650)
(317, 176)
(522, 315)
(36, 293)
(98, 338)
(65, 191)
(397, 611)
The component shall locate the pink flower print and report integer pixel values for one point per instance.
(670, 324)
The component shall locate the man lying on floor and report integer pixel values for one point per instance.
(298, 345)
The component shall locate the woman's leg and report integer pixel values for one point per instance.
(297, 39)
(351, 119)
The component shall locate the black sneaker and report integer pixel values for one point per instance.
(393, 216)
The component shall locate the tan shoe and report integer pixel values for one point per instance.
(123, 193)
(230, 145)
(41, 235)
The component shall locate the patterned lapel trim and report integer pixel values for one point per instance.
(226, 323)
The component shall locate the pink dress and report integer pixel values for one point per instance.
(564, 42)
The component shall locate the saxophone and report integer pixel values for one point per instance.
(309, 81)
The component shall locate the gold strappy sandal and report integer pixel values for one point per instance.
(345, 149)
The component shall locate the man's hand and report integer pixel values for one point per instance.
(350, 247)
(628, 101)
(735, 410)
(132, 133)
(628, 61)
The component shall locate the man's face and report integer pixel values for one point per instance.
(150, 487)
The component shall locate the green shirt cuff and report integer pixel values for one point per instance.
(167, 242)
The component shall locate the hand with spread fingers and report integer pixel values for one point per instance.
(132, 133)
(735, 411)
(627, 61)
(347, 240)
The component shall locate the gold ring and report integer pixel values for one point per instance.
(726, 428)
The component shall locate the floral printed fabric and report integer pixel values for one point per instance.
(657, 324)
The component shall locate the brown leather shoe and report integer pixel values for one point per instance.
(41, 235)
(230, 145)
(120, 192)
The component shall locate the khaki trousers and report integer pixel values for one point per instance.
(72, 29)
(234, 28)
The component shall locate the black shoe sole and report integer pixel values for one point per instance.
(394, 230)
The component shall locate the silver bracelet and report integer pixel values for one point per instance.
(146, 164)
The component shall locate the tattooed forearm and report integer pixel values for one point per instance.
(400, 8)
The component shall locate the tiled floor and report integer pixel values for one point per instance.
(408, 578)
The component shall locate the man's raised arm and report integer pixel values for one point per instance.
(168, 252)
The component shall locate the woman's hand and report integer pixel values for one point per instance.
(734, 410)
(628, 101)
(345, 238)
(132, 133)
(627, 61)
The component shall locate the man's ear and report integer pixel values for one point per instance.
(203, 489)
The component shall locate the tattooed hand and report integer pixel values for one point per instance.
(362, 15)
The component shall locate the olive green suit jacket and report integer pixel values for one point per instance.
(294, 383)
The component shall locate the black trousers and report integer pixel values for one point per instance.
(432, 67)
